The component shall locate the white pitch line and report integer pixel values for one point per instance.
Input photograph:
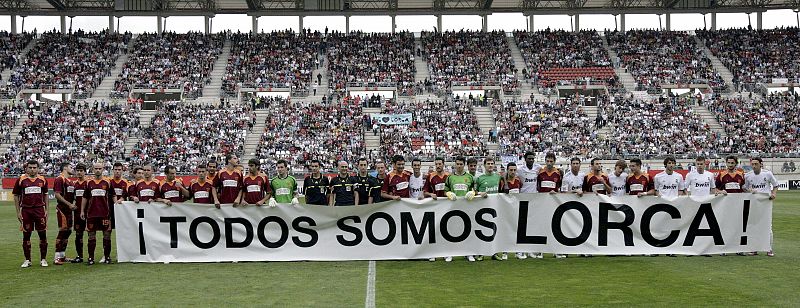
(370, 302)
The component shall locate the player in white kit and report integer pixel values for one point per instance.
(762, 181)
(618, 178)
(573, 180)
(669, 183)
(700, 182)
(527, 173)
(416, 182)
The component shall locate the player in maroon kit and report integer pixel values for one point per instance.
(30, 201)
(98, 197)
(65, 197)
(730, 180)
(120, 186)
(171, 188)
(138, 175)
(255, 186)
(596, 181)
(395, 186)
(228, 183)
(147, 189)
(200, 188)
(435, 184)
(79, 225)
(638, 183)
(549, 178)
(512, 183)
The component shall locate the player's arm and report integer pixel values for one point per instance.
(355, 194)
(160, 198)
(430, 190)
(682, 188)
(217, 183)
(609, 189)
(83, 205)
(113, 194)
(61, 199)
(775, 185)
(17, 207)
(238, 199)
(332, 195)
(267, 191)
(185, 192)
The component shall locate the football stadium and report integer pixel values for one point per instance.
(413, 153)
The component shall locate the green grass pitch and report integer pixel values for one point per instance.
(602, 281)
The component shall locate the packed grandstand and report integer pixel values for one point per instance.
(527, 111)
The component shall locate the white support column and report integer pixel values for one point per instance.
(622, 23)
(63, 24)
(111, 24)
(759, 19)
(530, 23)
(13, 24)
(577, 22)
(159, 25)
(439, 23)
(300, 22)
(394, 24)
(714, 21)
(254, 30)
(207, 24)
(347, 24)
(669, 21)
(484, 23)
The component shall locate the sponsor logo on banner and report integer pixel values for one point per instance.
(783, 185)
(794, 184)
(392, 119)
(414, 229)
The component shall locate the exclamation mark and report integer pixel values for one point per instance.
(745, 215)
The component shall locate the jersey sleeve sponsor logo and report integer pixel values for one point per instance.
(171, 194)
(33, 190)
(253, 188)
(98, 192)
(732, 185)
(201, 195)
(548, 184)
(147, 193)
(229, 183)
(282, 191)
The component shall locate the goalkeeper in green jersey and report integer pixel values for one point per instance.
(460, 183)
(284, 186)
(490, 182)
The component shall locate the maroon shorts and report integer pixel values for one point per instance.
(98, 224)
(33, 218)
(64, 216)
(79, 224)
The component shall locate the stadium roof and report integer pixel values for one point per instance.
(381, 7)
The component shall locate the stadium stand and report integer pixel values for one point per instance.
(276, 59)
(185, 135)
(372, 58)
(755, 125)
(657, 58)
(756, 56)
(78, 60)
(558, 126)
(300, 131)
(70, 132)
(170, 60)
(560, 57)
(469, 58)
(439, 128)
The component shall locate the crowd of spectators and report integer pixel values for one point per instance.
(756, 125)
(372, 58)
(469, 58)
(558, 126)
(185, 135)
(550, 49)
(756, 56)
(658, 127)
(10, 46)
(657, 58)
(72, 132)
(438, 128)
(77, 60)
(283, 59)
(170, 60)
(9, 114)
(299, 132)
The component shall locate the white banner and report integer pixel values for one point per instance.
(392, 119)
(411, 229)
